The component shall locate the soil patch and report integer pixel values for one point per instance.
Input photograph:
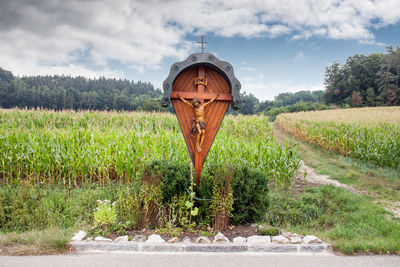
(245, 230)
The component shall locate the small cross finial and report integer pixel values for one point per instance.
(202, 43)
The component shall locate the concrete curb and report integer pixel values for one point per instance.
(193, 247)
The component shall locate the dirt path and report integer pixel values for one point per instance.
(311, 176)
(307, 173)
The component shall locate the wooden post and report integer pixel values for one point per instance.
(198, 159)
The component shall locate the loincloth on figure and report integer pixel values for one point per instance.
(202, 125)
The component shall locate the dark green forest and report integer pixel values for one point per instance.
(65, 92)
(371, 80)
(363, 81)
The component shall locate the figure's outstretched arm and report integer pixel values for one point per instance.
(212, 100)
(184, 101)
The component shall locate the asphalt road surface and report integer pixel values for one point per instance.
(98, 259)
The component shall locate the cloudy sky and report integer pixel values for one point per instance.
(274, 45)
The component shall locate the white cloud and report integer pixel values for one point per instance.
(299, 57)
(267, 90)
(41, 35)
(246, 69)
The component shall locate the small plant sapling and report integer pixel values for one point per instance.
(105, 218)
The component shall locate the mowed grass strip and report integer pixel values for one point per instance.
(368, 134)
(36, 242)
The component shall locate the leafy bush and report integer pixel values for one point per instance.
(250, 192)
(105, 213)
(164, 196)
(175, 178)
(128, 206)
(105, 218)
(273, 112)
(222, 199)
(272, 231)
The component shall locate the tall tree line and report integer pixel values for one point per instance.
(371, 80)
(65, 92)
(284, 102)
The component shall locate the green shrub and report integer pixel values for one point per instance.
(271, 231)
(250, 192)
(105, 213)
(222, 200)
(175, 178)
(163, 197)
(128, 206)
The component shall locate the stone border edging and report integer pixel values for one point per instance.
(193, 247)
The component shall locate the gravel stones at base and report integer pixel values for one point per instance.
(239, 240)
(280, 239)
(310, 239)
(220, 238)
(202, 239)
(121, 238)
(155, 239)
(79, 236)
(295, 240)
(155, 243)
(139, 238)
(258, 239)
(173, 240)
(186, 240)
(103, 239)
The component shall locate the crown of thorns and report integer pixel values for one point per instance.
(196, 100)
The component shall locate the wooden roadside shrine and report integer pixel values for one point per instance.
(201, 89)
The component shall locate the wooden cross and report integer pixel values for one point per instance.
(202, 43)
(202, 95)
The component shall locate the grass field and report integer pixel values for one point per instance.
(368, 134)
(85, 147)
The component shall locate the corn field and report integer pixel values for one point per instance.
(369, 134)
(74, 148)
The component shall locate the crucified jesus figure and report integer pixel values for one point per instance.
(199, 124)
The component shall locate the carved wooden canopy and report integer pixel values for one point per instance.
(224, 68)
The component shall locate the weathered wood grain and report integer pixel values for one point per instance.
(184, 86)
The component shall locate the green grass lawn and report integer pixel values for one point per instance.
(350, 222)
